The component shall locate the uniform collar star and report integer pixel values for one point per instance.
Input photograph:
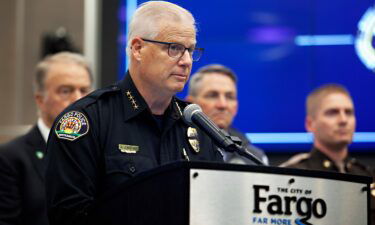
(132, 99)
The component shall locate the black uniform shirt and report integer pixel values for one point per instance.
(108, 137)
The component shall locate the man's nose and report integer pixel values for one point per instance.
(343, 117)
(222, 102)
(185, 58)
(77, 94)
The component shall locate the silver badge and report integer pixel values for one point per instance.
(192, 136)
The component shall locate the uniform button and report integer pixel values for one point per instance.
(132, 168)
(326, 164)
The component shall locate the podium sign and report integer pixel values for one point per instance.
(264, 198)
(197, 193)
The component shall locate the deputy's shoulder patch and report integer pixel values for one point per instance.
(72, 125)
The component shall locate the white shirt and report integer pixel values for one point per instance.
(44, 130)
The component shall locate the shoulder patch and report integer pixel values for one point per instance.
(72, 125)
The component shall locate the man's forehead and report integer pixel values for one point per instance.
(177, 32)
(58, 67)
(208, 85)
(336, 100)
(217, 78)
(61, 71)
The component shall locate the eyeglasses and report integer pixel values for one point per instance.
(176, 50)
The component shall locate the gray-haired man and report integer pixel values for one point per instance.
(59, 80)
(214, 88)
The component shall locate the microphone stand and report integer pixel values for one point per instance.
(193, 115)
(234, 144)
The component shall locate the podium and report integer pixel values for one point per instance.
(198, 193)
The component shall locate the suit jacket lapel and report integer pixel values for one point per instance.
(36, 149)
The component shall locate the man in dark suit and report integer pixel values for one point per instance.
(60, 79)
(214, 88)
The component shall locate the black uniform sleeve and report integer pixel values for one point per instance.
(10, 193)
(72, 174)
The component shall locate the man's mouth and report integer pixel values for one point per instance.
(343, 132)
(180, 75)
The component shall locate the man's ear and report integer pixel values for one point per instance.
(309, 123)
(135, 48)
(39, 99)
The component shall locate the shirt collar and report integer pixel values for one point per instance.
(325, 160)
(44, 130)
(134, 103)
(316, 153)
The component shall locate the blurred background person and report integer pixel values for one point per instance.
(331, 118)
(214, 88)
(59, 80)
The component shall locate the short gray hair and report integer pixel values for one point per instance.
(43, 67)
(150, 15)
(197, 77)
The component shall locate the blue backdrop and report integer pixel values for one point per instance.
(281, 50)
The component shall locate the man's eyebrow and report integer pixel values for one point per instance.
(65, 86)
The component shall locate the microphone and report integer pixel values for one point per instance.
(193, 115)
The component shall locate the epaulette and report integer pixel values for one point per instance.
(96, 95)
(354, 161)
(100, 92)
(295, 159)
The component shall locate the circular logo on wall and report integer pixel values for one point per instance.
(363, 43)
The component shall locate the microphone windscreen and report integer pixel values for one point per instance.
(190, 110)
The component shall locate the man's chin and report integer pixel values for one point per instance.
(345, 140)
(179, 86)
(221, 124)
(340, 144)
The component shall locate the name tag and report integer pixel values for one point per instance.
(128, 148)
